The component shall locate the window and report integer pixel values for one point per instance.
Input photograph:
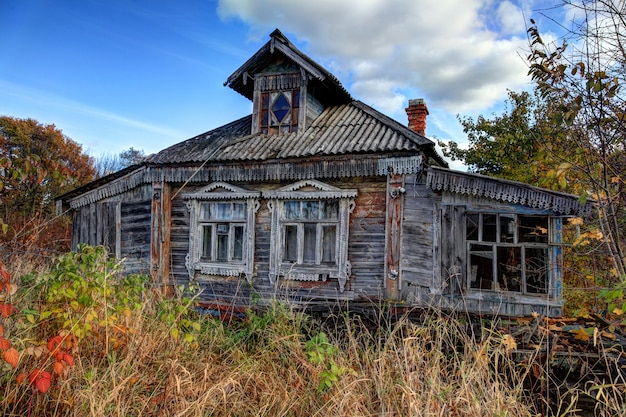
(222, 228)
(310, 232)
(221, 231)
(511, 252)
(279, 111)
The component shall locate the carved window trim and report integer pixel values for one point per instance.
(222, 193)
(310, 191)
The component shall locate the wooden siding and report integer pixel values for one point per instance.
(135, 236)
(97, 224)
(366, 239)
(179, 241)
(419, 244)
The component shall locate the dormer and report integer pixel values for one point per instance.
(288, 89)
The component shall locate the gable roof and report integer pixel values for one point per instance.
(352, 128)
(329, 89)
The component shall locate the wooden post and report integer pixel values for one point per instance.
(166, 223)
(160, 249)
(155, 231)
(393, 235)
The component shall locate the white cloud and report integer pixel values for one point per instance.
(448, 51)
(511, 18)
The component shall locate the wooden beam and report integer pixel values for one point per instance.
(393, 238)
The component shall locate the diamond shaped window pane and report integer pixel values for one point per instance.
(281, 107)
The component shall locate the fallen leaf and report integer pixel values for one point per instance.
(12, 288)
(6, 310)
(53, 342)
(34, 374)
(40, 379)
(11, 356)
(43, 383)
(4, 343)
(20, 378)
(68, 359)
(607, 335)
(582, 334)
(4, 273)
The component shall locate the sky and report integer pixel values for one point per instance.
(116, 74)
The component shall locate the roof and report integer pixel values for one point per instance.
(329, 88)
(352, 128)
(442, 179)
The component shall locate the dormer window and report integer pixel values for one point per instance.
(280, 111)
(277, 101)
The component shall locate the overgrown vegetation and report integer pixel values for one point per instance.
(80, 339)
(569, 135)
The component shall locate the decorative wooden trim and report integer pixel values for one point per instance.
(341, 271)
(324, 191)
(229, 193)
(439, 179)
(275, 171)
(277, 82)
(410, 165)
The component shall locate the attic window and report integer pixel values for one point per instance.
(279, 111)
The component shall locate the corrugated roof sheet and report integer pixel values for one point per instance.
(353, 128)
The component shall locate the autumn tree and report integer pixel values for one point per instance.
(106, 164)
(37, 163)
(582, 77)
(569, 134)
(522, 144)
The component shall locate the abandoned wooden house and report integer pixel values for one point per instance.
(317, 197)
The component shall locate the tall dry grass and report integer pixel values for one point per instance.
(263, 366)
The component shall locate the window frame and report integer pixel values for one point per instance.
(221, 193)
(290, 122)
(310, 191)
(514, 244)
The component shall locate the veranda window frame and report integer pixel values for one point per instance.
(493, 242)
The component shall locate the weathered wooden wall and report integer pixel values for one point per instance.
(121, 224)
(365, 252)
(456, 295)
(420, 248)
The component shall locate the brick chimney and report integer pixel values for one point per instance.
(417, 112)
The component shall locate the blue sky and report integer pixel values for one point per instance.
(115, 74)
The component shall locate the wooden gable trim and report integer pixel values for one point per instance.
(271, 82)
(275, 171)
(115, 187)
(297, 58)
(439, 179)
